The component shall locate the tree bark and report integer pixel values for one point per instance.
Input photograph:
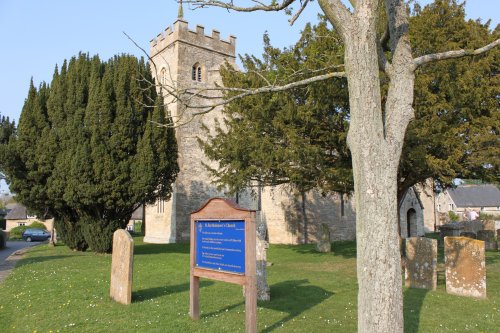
(375, 159)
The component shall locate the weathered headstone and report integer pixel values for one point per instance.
(451, 229)
(421, 263)
(324, 244)
(489, 225)
(122, 267)
(468, 234)
(465, 267)
(488, 236)
(263, 291)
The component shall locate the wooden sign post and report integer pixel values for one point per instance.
(223, 248)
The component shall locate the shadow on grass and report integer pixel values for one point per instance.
(293, 297)
(151, 293)
(492, 257)
(346, 249)
(413, 301)
(145, 248)
(39, 259)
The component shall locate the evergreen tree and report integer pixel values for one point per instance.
(86, 144)
(297, 137)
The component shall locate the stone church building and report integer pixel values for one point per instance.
(183, 58)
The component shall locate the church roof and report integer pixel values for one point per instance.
(475, 195)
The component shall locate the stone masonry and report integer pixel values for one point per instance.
(183, 58)
(465, 267)
(421, 264)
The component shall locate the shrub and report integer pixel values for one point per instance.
(484, 216)
(71, 234)
(3, 239)
(37, 225)
(453, 216)
(99, 233)
(17, 232)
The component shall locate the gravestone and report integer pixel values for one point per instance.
(421, 263)
(324, 244)
(465, 267)
(263, 291)
(451, 229)
(468, 234)
(122, 267)
(488, 236)
(489, 225)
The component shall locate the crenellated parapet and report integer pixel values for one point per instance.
(197, 38)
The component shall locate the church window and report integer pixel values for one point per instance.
(163, 76)
(160, 206)
(196, 72)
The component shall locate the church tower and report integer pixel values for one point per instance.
(183, 58)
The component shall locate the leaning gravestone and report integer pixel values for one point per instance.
(465, 267)
(121, 267)
(324, 244)
(488, 236)
(421, 263)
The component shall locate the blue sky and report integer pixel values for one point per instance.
(37, 35)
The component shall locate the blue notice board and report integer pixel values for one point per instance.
(220, 245)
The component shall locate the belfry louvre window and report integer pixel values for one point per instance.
(163, 76)
(196, 72)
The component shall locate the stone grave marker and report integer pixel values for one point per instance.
(488, 236)
(324, 244)
(489, 225)
(421, 263)
(468, 234)
(122, 267)
(465, 267)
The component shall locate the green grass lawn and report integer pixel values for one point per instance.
(58, 290)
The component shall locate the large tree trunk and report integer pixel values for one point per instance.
(375, 139)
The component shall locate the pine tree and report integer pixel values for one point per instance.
(91, 150)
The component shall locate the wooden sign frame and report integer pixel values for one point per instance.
(219, 209)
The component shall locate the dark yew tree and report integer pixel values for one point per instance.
(87, 152)
(297, 137)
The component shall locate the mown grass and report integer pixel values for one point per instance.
(56, 289)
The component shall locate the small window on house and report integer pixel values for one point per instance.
(452, 207)
(21, 224)
(196, 72)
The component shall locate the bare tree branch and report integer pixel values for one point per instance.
(243, 92)
(417, 62)
(296, 16)
(273, 7)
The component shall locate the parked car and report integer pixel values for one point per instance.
(35, 235)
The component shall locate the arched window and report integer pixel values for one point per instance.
(163, 76)
(196, 72)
